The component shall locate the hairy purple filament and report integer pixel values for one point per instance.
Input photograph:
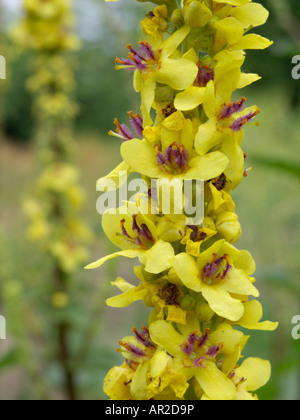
(198, 343)
(136, 122)
(215, 269)
(240, 122)
(174, 158)
(144, 237)
(144, 337)
(205, 75)
(124, 131)
(135, 350)
(138, 59)
(232, 108)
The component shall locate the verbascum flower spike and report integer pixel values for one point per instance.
(199, 285)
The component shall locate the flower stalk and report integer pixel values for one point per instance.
(199, 285)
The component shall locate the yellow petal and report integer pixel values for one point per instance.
(207, 137)
(129, 253)
(159, 362)
(147, 88)
(175, 122)
(191, 98)
(127, 298)
(179, 74)
(114, 383)
(233, 2)
(252, 42)
(207, 167)
(237, 282)
(160, 257)
(252, 14)
(122, 285)
(214, 383)
(222, 303)
(252, 315)
(247, 79)
(186, 269)
(163, 334)
(139, 382)
(114, 180)
(176, 314)
(256, 371)
(140, 156)
(172, 43)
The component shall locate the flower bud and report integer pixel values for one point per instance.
(170, 231)
(177, 18)
(149, 277)
(164, 94)
(204, 312)
(228, 226)
(197, 14)
(187, 302)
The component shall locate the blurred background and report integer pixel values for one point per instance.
(268, 204)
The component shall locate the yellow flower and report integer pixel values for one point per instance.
(196, 235)
(229, 118)
(156, 291)
(156, 22)
(224, 69)
(173, 157)
(136, 235)
(252, 375)
(220, 273)
(195, 354)
(253, 314)
(155, 64)
(148, 371)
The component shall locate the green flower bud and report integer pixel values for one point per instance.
(197, 14)
(204, 312)
(177, 18)
(187, 302)
(149, 277)
(164, 94)
(228, 226)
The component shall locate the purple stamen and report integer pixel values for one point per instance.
(240, 122)
(174, 154)
(213, 351)
(205, 75)
(147, 49)
(203, 339)
(160, 159)
(124, 231)
(136, 122)
(232, 108)
(136, 350)
(144, 337)
(210, 270)
(145, 232)
(125, 132)
(137, 59)
(198, 362)
(135, 226)
(182, 157)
